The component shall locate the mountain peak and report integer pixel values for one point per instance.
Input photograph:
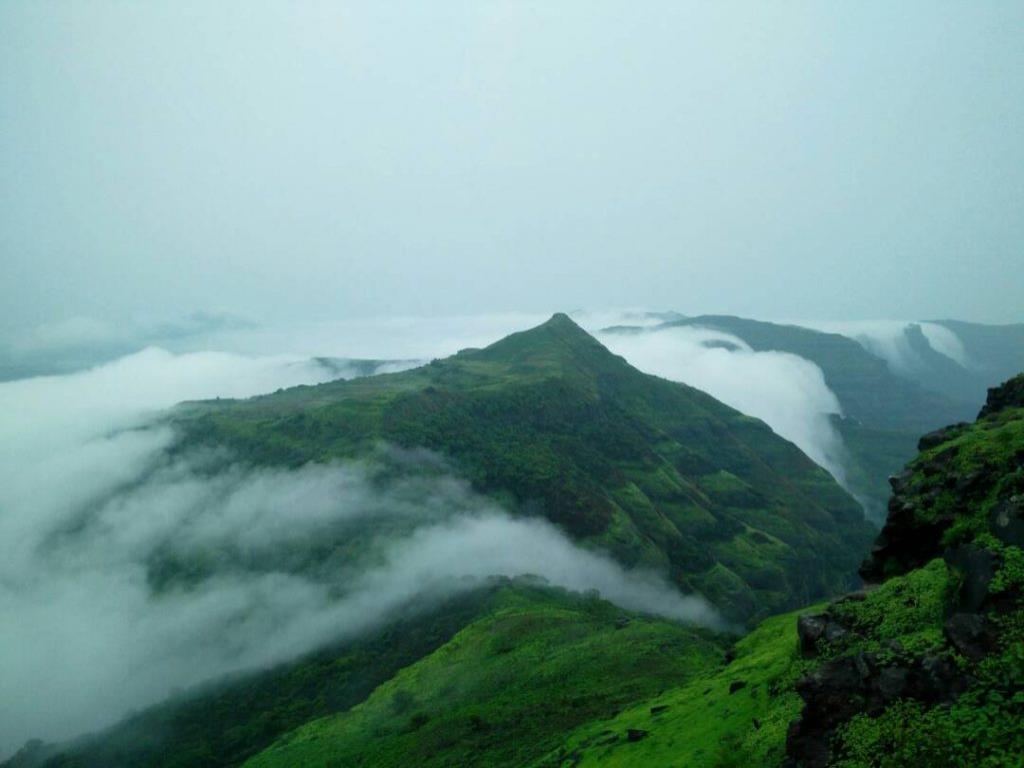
(557, 339)
(560, 319)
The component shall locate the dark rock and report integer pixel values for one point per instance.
(730, 656)
(894, 646)
(858, 596)
(862, 663)
(805, 746)
(1007, 521)
(834, 632)
(622, 622)
(814, 629)
(635, 734)
(970, 634)
(832, 694)
(1009, 394)
(659, 709)
(906, 541)
(938, 679)
(970, 483)
(899, 482)
(892, 682)
(940, 436)
(862, 684)
(977, 567)
(810, 629)
(757, 724)
(737, 685)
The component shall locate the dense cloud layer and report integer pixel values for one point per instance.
(786, 391)
(128, 574)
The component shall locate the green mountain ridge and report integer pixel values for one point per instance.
(549, 422)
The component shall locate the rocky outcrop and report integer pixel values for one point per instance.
(939, 488)
(909, 539)
(1009, 394)
(863, 684)
(973, 484)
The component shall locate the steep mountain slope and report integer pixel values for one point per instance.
(924, 669)
(929, 668)
(883, 413)
(732, 715)
(505, 689)
(550, 423)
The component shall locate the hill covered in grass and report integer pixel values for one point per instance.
(925, 667)
(883, 411)
(550, 423)
(505, 689)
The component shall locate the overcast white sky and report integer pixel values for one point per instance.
(293, 161)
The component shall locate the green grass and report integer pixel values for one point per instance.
(700, 724)
(954, 484)
(505, 689)
(982, 727)
(908, 609)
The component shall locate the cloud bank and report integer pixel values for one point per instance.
(128, 574)
(785, 391)
(889, 340)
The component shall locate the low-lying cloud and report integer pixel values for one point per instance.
(126, 573)
(890, 340)
(785, 391)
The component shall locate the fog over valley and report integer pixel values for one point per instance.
(511, 385)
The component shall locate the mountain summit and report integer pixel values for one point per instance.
(549, 422)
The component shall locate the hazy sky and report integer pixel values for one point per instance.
(302, 160)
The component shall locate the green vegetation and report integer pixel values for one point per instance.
(939, 646)
(549, 422)
(506, 688)
(907, 610)
(711, 720)
(981, 727)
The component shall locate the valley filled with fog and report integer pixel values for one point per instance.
(93, 499)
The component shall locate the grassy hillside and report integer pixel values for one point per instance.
(549, 422)
(505, 689)
(925, 668)
(736, 715)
